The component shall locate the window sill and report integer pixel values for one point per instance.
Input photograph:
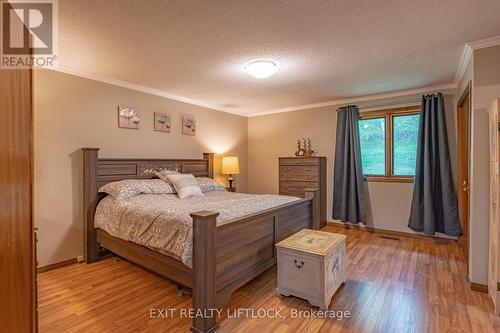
(381, 179)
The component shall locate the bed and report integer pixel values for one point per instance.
(227, 250)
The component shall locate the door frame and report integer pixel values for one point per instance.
(461, 164)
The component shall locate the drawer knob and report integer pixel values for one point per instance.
(296, 161)
(308, 169)
(285, 186)
(297, 264)
(308, 177)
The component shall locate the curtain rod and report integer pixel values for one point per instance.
(390, 103)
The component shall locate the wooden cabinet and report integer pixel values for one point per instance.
(298, 173)
(494, 248)
(311, 266)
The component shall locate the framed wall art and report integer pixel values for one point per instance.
(128, 117)
(163, 122)
(188, 125)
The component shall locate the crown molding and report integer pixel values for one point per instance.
(464, 62)
(353, 100)
(133, 86)
(484, 43)
(469, 50)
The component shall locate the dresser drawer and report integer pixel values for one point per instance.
(299, 161)
(297, 186)
(299, 170)
(297, 177)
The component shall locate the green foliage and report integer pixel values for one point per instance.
(372, 141)
(405, 132)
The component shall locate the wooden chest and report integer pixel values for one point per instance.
(298, 173)
(311, 266)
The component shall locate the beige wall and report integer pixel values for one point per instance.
(72, 112)
(275, 135)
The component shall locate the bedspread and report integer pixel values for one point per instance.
(163, 223)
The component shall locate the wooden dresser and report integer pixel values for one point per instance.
(298, 173)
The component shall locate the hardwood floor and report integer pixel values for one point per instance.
(407, 285)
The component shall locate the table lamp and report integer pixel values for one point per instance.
(230, 166)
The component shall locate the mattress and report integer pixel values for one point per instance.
(162, 222)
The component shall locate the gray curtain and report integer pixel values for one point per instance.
(348, 192)
(434, 206)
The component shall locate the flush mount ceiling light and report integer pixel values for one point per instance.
(261, 68)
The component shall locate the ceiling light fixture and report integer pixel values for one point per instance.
(261, 68)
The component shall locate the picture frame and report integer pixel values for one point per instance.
(188, 125)
(162, 122)
(128, 117)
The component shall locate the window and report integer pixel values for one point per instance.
(388, 141)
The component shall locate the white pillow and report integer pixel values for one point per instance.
(185, 185)
(164, 173)
(209, 185)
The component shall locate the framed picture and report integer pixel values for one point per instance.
(128, 117)
(163, 123)
(188, 125)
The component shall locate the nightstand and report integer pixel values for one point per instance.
(231, 189)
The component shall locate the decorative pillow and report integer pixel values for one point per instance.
(209, 185)
(164, 173)
(124, 189)
(185, 185)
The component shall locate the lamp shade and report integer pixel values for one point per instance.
(230, 165)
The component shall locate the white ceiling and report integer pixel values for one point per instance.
(328, 50)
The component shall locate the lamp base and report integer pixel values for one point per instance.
(230, 179)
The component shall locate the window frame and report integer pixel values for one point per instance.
(389, 114)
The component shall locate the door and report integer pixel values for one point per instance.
(17, 240)
(463, 155)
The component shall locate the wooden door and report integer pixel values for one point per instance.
(17, 240)
(463, 143)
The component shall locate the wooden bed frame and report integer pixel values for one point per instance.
(225, 256)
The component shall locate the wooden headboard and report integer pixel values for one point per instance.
(100, 171)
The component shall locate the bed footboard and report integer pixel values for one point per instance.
(228, 255)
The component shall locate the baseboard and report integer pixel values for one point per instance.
(482, 288)
(385, 231)
(56, 265)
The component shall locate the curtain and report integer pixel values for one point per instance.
(434, 206)
(348, 192)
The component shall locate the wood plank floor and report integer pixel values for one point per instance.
(406, 285)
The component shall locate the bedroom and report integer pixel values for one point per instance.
(185, 74)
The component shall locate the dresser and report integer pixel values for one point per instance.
(298, 173)
(494, 241)
(311, 266)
